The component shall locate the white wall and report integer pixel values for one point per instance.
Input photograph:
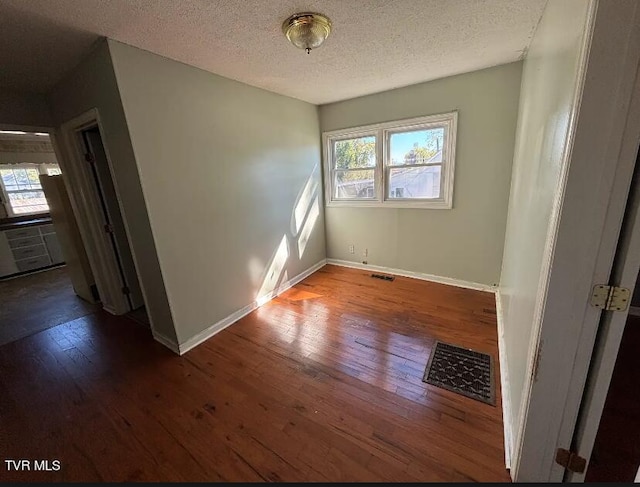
(549, 84)
(16, 151)
(7, 157)
(466, 242)
(23, 110)
(231, 177)
(93, 85)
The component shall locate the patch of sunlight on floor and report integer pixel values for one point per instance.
(300, 295)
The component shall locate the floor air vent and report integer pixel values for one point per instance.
(461, 370)
(383, 277)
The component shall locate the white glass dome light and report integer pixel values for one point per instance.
(307, 30)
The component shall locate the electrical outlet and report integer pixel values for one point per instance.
(352, 249)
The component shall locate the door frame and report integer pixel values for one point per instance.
(582, 240)
(612, 324)
(609, 337)
(85, 202)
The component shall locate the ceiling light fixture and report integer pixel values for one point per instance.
(13, 132)
(307, 30)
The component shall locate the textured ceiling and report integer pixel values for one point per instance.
(375, 45)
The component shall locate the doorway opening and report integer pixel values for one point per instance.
(45, 277)
(64, 245)
(101, 219)
(112, 222)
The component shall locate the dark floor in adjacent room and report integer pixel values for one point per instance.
(324, 383)
(35, 302)
(616, 452)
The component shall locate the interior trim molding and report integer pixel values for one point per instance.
(547, 441)
(415, 275)
(167, 342)
(196, 340)
(381, 131)
(111, 309)
(87, 209)
(505, 386)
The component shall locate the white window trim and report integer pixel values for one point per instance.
(4, 194)
(381, 131)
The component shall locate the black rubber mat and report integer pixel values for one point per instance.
(461, 370)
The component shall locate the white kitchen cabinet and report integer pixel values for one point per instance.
(28, 249)
(7, 262)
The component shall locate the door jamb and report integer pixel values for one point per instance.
(86, 207)
(582, 253)
(610, 336)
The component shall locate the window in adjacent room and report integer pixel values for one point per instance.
(406, 163)
(21, 188)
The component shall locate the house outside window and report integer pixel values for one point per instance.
(407, 163)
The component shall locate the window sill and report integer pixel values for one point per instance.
(426, 205)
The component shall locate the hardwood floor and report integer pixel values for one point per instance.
(35, 302)
(321, 384)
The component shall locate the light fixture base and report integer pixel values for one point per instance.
(307, 30)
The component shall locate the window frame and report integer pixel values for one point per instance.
(346, 135)
(382, 133)
(4, 193)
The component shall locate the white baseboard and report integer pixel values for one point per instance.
(207, 333)
(110, 309)
(167, 342)
(241, 313)
(18, 275)
(416, 275)
(504, 384)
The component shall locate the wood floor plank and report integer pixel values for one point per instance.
(323, 383)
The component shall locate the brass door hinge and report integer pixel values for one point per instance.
(570, 460)
(610, 298)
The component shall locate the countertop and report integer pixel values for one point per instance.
(7, 224)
